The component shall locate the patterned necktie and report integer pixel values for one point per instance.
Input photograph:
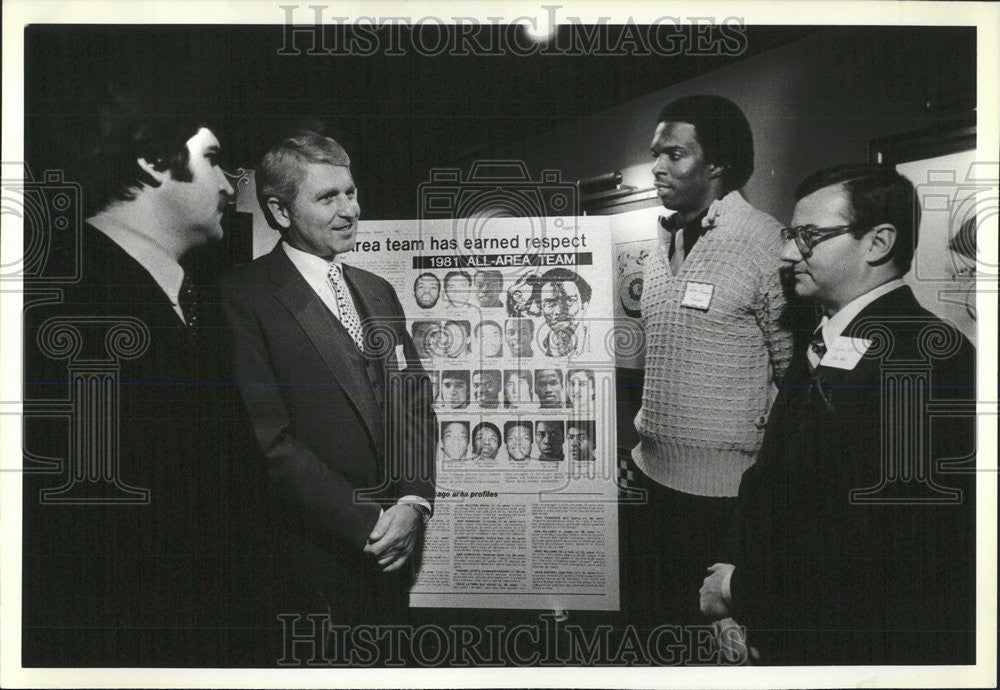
(190, 303)
(348, 313)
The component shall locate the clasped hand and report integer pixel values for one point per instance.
(394, 536)
(713, 601)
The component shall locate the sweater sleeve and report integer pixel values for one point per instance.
(770, 304)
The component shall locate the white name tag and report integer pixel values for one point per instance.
(698, 295)
(845, 353)
(400, 357)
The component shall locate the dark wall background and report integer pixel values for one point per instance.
(397, 115)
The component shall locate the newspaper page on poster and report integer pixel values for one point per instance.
(513, 320)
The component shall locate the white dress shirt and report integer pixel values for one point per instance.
(315, 270)
(833, 327)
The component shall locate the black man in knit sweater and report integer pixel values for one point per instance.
(711, 305)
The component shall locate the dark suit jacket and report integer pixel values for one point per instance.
(835, 564)
(151, 580)
(342, 435)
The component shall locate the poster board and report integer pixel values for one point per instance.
(513, 320)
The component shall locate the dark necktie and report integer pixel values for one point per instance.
(190, 303)
(674, 227)
(818, 348)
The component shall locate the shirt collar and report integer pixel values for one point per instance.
(313, 268)
(163, 267)
(834, 326)
(695, 225)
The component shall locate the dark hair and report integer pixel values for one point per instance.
(587, 426)
(558, 372)
(565, 275)
(426, 274)
(490, 274)
(492, 374)
(486, 425)
(455, 274)
(507, 426)
(722, 130)
(460, 374)
(877, 194)
(129, 128)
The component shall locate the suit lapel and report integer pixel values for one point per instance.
(331, 340)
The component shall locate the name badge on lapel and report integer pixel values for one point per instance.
(845, 353)
(698, 295)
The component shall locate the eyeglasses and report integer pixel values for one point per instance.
(808, 236)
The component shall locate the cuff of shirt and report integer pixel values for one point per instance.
(727, 592)
(422, 505)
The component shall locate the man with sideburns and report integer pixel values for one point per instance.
(137, 548)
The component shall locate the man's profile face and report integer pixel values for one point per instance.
(486, 443)
(549, 439)
(323, 217)
(561, 304)
(490, 340)
(426, 291)
(549, 388)
(579, 445)
(201, 201)
(455, 440)
(457, 288)
(681, 174)
(518, 442)
(830, 273)
(454, 391)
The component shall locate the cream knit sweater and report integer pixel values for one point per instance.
(709, 373)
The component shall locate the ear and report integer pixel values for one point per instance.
(715, 171)
(159, 175)
(279, 211)
(882, 239)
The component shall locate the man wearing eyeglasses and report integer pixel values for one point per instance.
(711, 305)
(854, 536)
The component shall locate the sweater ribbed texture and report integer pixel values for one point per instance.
(709, 373)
